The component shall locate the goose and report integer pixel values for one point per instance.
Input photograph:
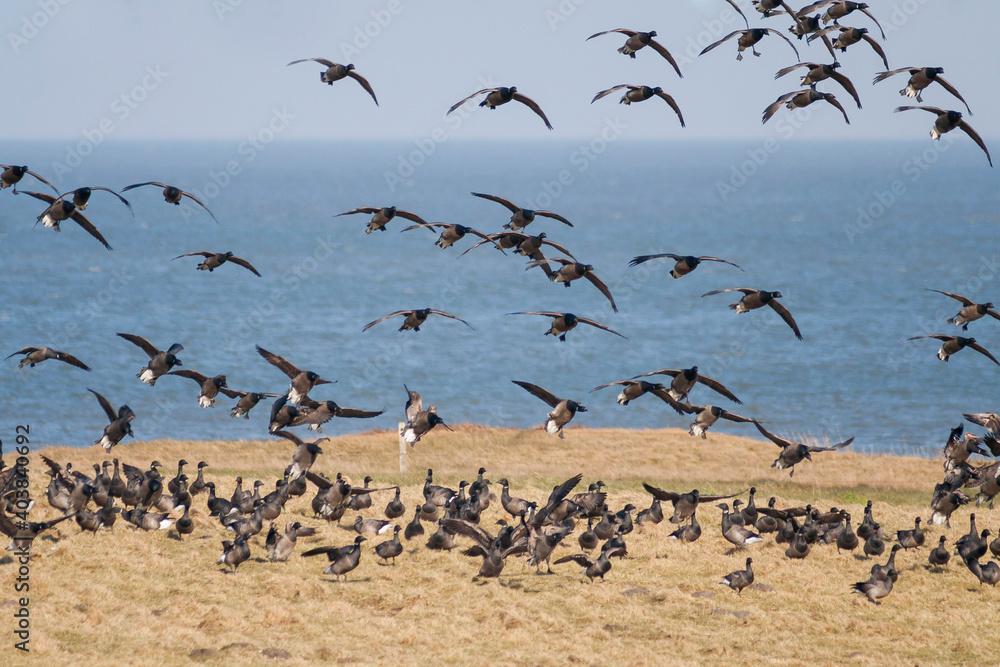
(210, 386)
(819, 72)
(753, 299)
(953, 344)
(638, 40)
(798, 99)
(689, 533)
(502, 95)
(683, 264)
(588, 539)
(641, 94)
(939, 555)
(562, 323)
(794, 453)
(735, 533)
(335, 72)
(911, 539)
(684, 504)
(494, 550)
(171, 194)
(342, 559)
(395, 508)
(799, 547)
(419, 422)
(838, 9)
(572, 270)
(363, 500)
(159, 362)
(592, 568)
(868, 526)
(184, 525)
(521, 217)
(739, 579)
(119, 426)
(304, 455)
(948, 121)
(971, 311)
(302, 381)
(847, 540)
(61, 209)
(414, 319)
(414, 527)
(921, 78)
(286, 542)
(247, 401)
(36, 355)
(874, 545)
(214, 260)
(684, 381)
(390, 548)
(382, 216)
(12, 175)
(563, 409)
(847, 37)
(748, 38)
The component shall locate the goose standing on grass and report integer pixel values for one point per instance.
(986, 574)
(521, 217)
(335, 72)
(638, 40)
(159, 362)
(562, 323)
(911, 539)
(394, 508)
(748, 38)
(210, 386)
(754, 299)
(563, 409)
(847, 540)
(342, 559)
(214, 260)
(12, 175)
(683, 264)
(302, 381)
(286, 542)
(819, 72)
(953, 344)
(793, 453)
(36, 355)
(171, 195)
(120, 423)
(920, 78)
(641, 94)
(415, 318)
(939, 555)
(390, 548)
(414, 528)
(382, 216)
(688, 533)
(502, 95)
(733, 532)
(877, 587)
(739, 579)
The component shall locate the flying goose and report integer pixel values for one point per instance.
(563, 409)
(838, 9)
(247, 401)
(633, 389)
(685, 379)
(450, 234)
(12, 175)
(302, 381)
(497, 96)
(638, 40)
(683, 264)
(846, 38)
(748, 38)
(521, 217)
(753, 299)
(304, 455)
(793, 453)
(819, 72)
(61, 209)
(739, 579)
(921, 78)
(210, 386)
(214, 260)
(971, 310)
(562, 323)
(572, 270)
(119, 423)
(706, 417)
(948, 121)
(335, 72)
(592, 568)
(641, 94)
(494, 550)
(36, 355)
(415, 318)
(988, 420)
(382, 216)
(419, 421)
(159, 362)
(171, 195)
(317, 413)
(684, 504)
(953, 344)
(799, 99)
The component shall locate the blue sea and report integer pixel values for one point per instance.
(852, 234)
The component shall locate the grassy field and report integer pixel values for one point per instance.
(131, 597)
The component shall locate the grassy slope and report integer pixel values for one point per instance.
(147, 597)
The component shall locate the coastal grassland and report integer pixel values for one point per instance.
(130, 597)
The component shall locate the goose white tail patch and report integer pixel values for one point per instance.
(166, 523)
(941, 355)
(935, 134)
(937, 518)
(205, 401)
(909, 91)
(47, 221)
(697, 430)
(294, 397)
(552, 428)
(622, 400)
(409, 436)
(147, 376)
(753, 540)
(385, 529)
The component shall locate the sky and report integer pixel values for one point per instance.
(216, 69)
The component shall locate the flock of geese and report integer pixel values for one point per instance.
(147, 499)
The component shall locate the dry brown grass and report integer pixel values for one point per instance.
(148, 598)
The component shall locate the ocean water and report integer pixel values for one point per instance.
(852, 234)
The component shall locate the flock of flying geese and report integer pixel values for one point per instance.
(534, 528)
